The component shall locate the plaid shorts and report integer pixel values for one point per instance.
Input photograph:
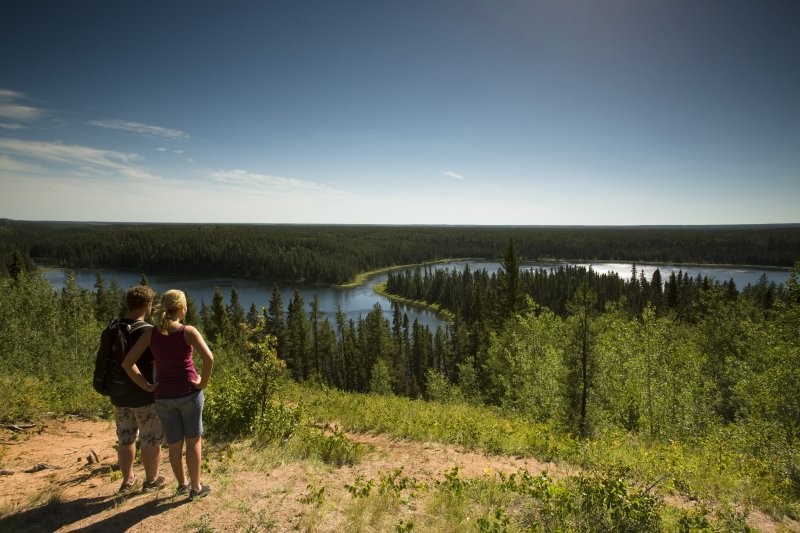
(138, 420)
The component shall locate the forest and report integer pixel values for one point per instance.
(335, 254)
(694, 363)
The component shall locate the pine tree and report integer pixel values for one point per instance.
(253, 316)
(580, 357)
(342, 370)
(236, 311)
(101, 307)
(508, 277)
(297, 337)
(18, 265)
(276, 323)
(315, 315)
(192, 317)
(219, 324)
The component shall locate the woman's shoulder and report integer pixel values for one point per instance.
(190, 331)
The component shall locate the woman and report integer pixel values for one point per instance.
(178, 389)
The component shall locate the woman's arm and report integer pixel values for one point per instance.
(193, 337)
(133, 355)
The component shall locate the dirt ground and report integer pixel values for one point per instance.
(58, 475)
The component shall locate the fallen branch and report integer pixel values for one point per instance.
(656, 482)
(18, 427)
(41, 466)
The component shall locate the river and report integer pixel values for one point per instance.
(358, 301)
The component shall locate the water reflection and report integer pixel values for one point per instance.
(359, 301)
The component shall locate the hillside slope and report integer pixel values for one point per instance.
(59, 476)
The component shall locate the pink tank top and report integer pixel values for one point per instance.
(174, 364)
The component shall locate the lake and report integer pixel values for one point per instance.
(358, 301)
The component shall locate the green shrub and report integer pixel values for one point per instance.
(334, 449)
(232, 405)
(239, 396)
(608, 503)
(439, 389)
(277, 423)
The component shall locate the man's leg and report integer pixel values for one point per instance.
(125, 456)
(151, 460)
(151, 435)
(127, 430)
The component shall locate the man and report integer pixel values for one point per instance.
(134, 411)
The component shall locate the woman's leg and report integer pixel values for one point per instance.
(192, 419)
(170, 415)
(176, 462)
(193, 459)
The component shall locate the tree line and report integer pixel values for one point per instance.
(541, 341)
(335, 254)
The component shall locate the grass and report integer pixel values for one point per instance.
(380, 288)
(490, 503)
(46, 501)
(203, 524)
(714, 469)
(29, 397)
(362, 277)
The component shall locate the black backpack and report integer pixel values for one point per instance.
(115, 341)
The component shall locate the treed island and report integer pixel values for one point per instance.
(655, 390)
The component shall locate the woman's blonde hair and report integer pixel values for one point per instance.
(171, 302)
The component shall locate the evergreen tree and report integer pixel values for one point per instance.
(253, 316)
(205, 318)
(117, 304)
(376, 343)
(441, 352)
(105, 306)
(580, 358)
(342, 371)
(219, 324)
(511, 297)
(421, 355)
(656, 296)
(18, 265)
(326, 344)
(315, 315)
(276, 323)
(399, 358)
(297, 328)
(236, 311)
(192, 316)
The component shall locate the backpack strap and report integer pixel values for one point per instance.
(139, 324)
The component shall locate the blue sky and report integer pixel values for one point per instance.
(618, 112)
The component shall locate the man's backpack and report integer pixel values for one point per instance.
(115, 341)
